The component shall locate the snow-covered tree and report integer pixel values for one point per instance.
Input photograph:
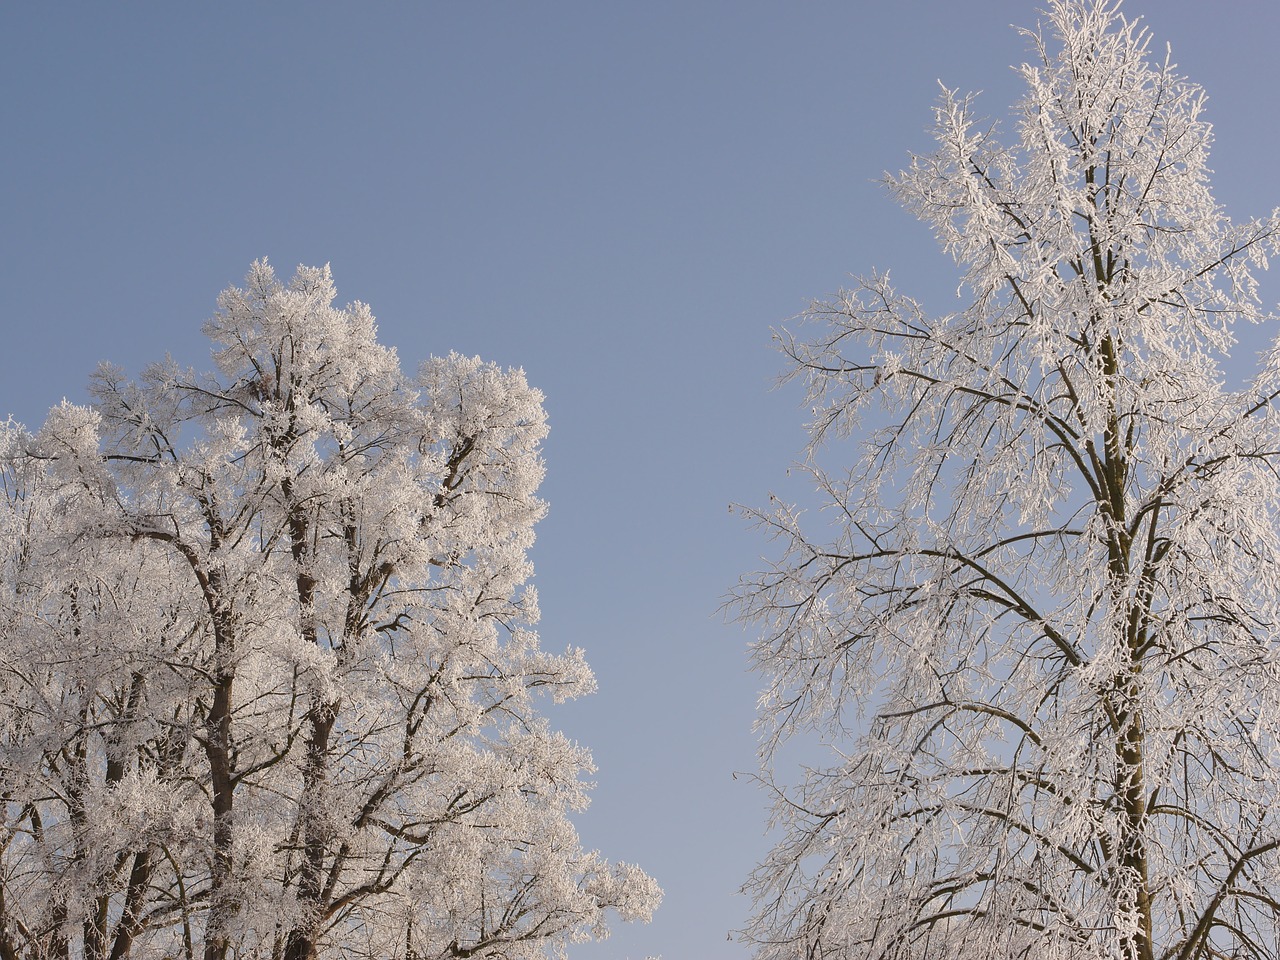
(277, 625)
(1040, 627)
(96, 690)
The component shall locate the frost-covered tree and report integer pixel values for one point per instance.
(270, 670)
(96, 692)
(1041, 624)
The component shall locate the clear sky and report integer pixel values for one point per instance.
(623, 199)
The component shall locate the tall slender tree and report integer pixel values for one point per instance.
(1041, 627)
(306, 577)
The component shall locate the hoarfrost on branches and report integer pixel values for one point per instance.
(270, 672)
(1047, 597)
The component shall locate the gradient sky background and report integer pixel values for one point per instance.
(622, 199)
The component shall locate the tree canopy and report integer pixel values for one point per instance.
(1039, 621)
(268, 660)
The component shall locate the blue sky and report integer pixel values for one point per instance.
(621, 198)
